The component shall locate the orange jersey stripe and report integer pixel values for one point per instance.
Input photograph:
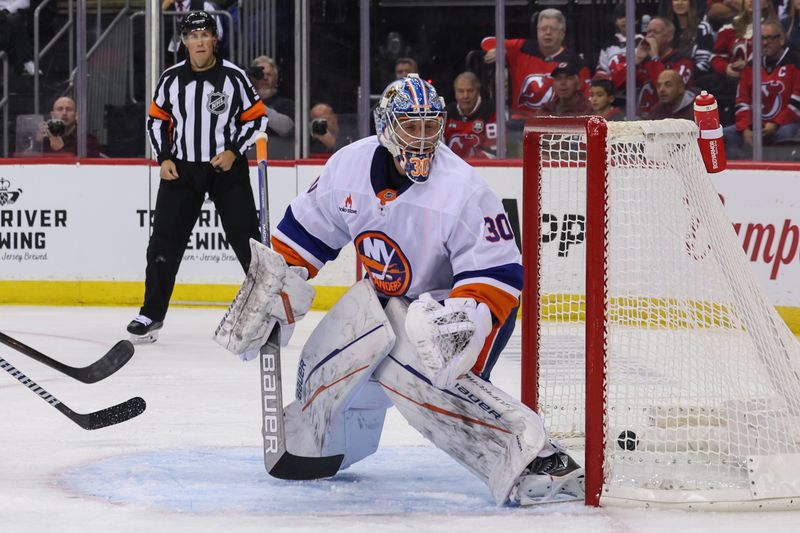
(480, 363)
(293, 258)
(499, 301)
(257, 110)
(157, 112)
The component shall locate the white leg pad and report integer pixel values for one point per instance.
(490, 433)
(338, 409)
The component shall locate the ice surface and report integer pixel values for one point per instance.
(192, 461)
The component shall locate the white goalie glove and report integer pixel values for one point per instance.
(272, 292)
(448, 338)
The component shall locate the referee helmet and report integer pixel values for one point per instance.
(198, 20)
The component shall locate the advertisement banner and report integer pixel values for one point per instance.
(72, 222)
(92, 222)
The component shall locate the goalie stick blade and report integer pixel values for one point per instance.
(278, 462)
(297, 468)
(112, 360)
(106, 417)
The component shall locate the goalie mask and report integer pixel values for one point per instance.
(409, 121)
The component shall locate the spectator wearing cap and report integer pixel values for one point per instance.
(569, 99)
(654, 54)
(530, 62)
(601, 98)
(674, 101)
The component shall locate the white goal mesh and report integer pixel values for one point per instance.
(702, 390)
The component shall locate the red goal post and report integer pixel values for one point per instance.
(595, 130)
(648, 340)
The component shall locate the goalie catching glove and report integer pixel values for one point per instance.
(448, 338)
(272, 292)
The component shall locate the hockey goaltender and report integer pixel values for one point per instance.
(422, 332)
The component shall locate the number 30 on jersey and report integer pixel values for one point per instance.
(498, 228)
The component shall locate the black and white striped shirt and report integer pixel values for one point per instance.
(197, 115)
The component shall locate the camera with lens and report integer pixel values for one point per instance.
(319, 126)
(56, 127)
(255, 72)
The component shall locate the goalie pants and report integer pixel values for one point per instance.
(178, 207)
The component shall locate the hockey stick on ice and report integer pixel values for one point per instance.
(98, 419)
(279, 462)
(112, 360)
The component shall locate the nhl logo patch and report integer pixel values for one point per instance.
(217, 103)
(477, 126)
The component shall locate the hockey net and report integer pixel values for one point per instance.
(651, 343)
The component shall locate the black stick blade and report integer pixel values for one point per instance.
(111, 415)
(297, 468)
(113, 360)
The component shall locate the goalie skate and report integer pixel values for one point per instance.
(143, 330)
(556, 478)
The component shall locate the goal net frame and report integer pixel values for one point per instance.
(595, 134)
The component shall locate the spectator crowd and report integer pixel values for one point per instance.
(688, 46)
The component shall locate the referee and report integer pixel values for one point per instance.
(203, 118)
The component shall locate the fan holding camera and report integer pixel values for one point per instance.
(59, 134)
(326, 137)
(263, 72)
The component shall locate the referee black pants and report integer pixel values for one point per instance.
(178, 206)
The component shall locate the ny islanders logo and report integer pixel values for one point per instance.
(385, 263)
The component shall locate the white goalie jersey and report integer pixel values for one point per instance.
(449, 236)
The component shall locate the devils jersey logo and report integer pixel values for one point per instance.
(772, 98)
(385, 263)
(465, 145)
(536, 90)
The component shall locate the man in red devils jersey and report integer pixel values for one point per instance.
(470, 131)
(423, 330)
(780, 94)
(530, 62)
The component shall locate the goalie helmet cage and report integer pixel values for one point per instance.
(651, 343)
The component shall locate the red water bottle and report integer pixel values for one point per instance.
(706, 115)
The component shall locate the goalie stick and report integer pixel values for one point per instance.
(98, 419)
(279, 462)
(112, 360)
